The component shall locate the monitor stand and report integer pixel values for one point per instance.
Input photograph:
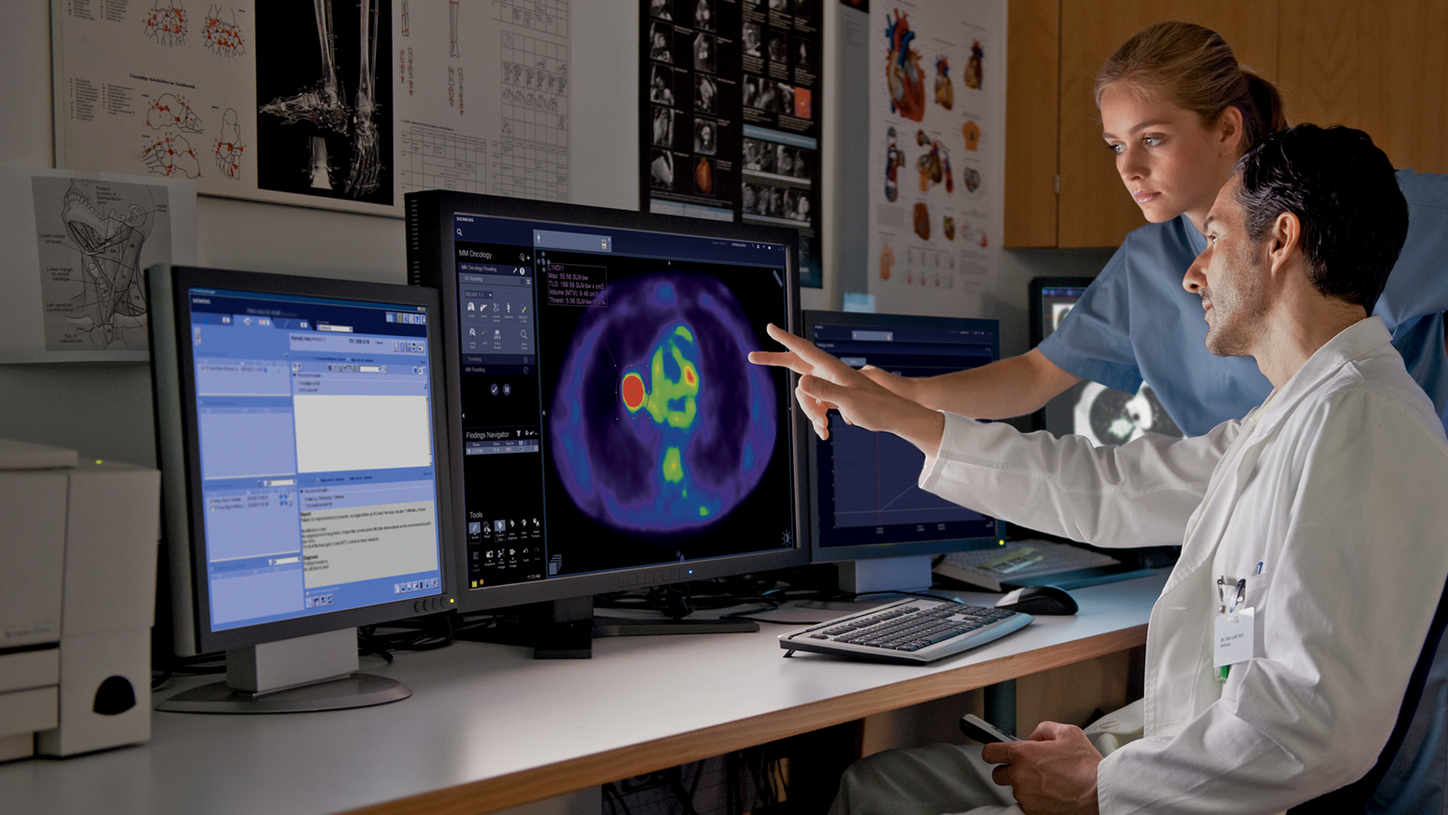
(566, 629)
(316, 672)
(885, 574)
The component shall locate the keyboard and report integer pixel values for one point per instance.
(1020, 563)
(913, 631)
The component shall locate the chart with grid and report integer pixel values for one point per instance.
(547, 16)
(435, 159)
(524, 170)
(531, 158)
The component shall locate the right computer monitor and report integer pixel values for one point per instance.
(1101, 414)
(865, 502)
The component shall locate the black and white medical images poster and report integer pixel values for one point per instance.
(730, 114)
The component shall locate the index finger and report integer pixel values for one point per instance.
(781, 359)
(807, 352)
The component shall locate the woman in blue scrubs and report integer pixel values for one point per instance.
(1178, 111)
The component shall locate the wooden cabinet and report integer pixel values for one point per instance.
(1377, 65)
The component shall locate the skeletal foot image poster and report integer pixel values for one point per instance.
(324, 124)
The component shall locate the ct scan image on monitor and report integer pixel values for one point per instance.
(610, 432)
(1103, 415)
(305, 478)
(867, 509)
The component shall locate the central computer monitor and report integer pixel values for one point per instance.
(608, 430)
(867, 510)
(305, 478)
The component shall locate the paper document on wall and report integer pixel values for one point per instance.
(937, 85)
(79, 244)
(339, 105)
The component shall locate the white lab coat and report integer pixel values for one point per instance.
(1338, 487)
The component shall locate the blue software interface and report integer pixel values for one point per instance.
(867, 481)
(610, 417)
(314, 420)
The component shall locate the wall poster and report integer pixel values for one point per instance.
(78, 245)
(342, 104)
(729, 111)
(937, 89)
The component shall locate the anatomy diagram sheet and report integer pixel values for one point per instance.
(937, 87)
(481, 93)
(79, 244)
(157, 89)
(342, 104)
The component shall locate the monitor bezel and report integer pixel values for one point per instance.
(174, 390)
(1035, 313)
(1034, 302)
(567, 587)
(868, 551)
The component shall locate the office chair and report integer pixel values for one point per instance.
(1407, 780)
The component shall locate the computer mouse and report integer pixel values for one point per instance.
(1038, 600)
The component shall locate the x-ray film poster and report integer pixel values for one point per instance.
(324, 99)
(80, 244)
(730, 112)
(690, 116)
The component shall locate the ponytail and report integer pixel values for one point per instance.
(1270, 116)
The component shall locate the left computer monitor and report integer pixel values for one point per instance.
(867, 510)
(304, 472)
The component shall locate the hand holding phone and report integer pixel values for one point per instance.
(981, 730)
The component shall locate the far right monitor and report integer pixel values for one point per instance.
(1101, 414)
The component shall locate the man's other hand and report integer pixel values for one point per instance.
(1052, 773)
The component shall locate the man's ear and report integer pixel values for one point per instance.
(1283, 240)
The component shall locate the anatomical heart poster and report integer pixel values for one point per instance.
(937, 88)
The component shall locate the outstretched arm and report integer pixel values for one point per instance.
(1009, 387)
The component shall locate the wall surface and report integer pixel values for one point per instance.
(104, 409)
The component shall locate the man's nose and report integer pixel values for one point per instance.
(1195, 279)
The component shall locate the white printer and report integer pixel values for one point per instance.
(77, 600)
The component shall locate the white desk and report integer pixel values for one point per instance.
(488, 727)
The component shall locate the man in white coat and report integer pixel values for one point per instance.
(1280, 649)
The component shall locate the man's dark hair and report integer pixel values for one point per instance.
(1343, 191)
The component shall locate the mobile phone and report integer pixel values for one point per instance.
(982, 730)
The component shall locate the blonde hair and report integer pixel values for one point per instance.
(1193, 68)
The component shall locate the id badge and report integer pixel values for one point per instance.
(1235, 631)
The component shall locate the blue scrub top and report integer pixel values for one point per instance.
(1136, 323)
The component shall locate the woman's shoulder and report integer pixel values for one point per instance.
(1176, 235)
(1423, 189)
(1154, 249)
